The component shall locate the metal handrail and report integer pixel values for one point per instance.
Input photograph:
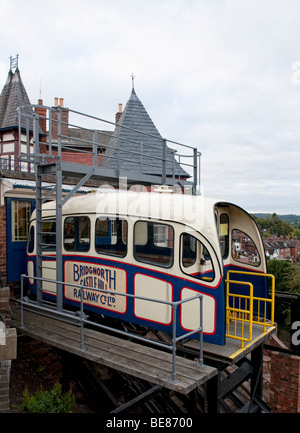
(36, 156)
(81, 318)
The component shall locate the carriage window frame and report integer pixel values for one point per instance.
(48, 235)
(225, 253)
(112, 248)
(31, 239)
(248, 263)
(80, 244)
(184, 268)
(141, 241)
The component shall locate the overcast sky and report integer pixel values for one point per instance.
(219, 75)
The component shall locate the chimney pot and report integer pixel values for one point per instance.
(55, 102)
(120, 108)
(61, 102)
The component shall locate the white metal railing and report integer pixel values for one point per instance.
(81, 318)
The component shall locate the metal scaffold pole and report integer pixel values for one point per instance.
(59, 264)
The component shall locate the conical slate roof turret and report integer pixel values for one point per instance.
(139, 144)
(12, 96)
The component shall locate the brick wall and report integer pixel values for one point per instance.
(285, 383)
(8, 351)
(5, 367)
(2, 245)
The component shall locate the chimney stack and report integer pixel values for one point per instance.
(119, 113)
(64, 119)
(42, 112)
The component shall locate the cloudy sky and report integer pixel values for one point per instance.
(219, 75)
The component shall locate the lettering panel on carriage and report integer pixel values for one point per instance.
(96, 276)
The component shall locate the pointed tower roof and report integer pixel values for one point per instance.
(138, 140)
(12, 96)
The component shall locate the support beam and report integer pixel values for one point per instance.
(138, 400)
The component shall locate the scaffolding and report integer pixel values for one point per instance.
(53, 141)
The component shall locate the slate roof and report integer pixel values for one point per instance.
(137, 151)
(12, 96)
(77, 134)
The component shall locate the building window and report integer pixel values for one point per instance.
(111, 236)
(20, 216)
(154, 243)
(77, 233)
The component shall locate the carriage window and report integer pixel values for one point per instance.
(154, 243)
(224, 235)
(111, 236)
(195, 258)
(48, 236)
(77, 233)
(30, 240)
(244, 249)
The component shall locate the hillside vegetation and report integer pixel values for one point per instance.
(271, 224)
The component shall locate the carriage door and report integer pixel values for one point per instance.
(18, 213)
(246, 281)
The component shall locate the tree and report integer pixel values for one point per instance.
(287, 279)
(287, 275)
(296, 233)
(274, 225)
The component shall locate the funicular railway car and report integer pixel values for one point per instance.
(163, 246)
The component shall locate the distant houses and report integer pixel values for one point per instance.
(282, 248)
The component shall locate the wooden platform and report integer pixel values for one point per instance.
(152, 365)
(232, 352)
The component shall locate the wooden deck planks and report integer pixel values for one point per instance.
(232, 352)
(150, 364)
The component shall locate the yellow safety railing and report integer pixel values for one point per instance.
(239, 308)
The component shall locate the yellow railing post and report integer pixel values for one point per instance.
(239, 314)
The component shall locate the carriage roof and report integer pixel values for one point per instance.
(184, 208)
(196, 212)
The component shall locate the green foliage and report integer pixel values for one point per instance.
(287, 275)
(297, 233)
(274, 225)
(52, 401)
(287, 279)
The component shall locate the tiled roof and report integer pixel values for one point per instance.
(12, 96)
(138, 151)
